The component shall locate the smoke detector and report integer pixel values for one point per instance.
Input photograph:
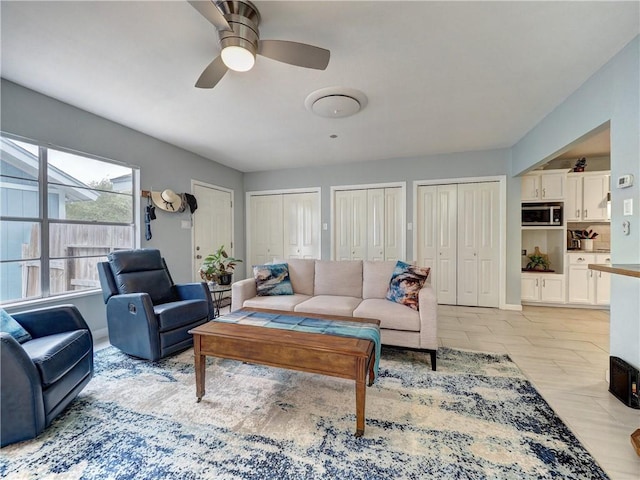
(335, 102)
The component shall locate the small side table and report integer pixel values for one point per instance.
(217, 293)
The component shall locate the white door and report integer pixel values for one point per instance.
(350, 224)
(467, 246)
(393, 224)
(265, 225)
(212, 223)
(447, 243)
(375, 224)
(478, 244)
(427, 230)
(301, 229)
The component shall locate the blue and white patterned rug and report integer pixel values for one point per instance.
(477, 417)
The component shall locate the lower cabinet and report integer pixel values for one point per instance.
(588, 287)
(542, 287)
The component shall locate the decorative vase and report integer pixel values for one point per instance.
(224, 279)
(587, 244)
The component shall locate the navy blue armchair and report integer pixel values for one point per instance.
(148, 316)
(41, 376)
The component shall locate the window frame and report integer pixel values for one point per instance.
(45, 221)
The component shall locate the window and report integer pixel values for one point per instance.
(60, 214)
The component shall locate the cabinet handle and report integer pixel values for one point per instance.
(536, 192)
(544, 192)
(577, 213)
(600, 274)
(544, 283)
(585, 213)
(591, 273)
(580, 259)
(607, 260)
(537, 284)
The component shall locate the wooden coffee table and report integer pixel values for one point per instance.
(331, 355)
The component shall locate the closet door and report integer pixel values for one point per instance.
(301, 229)
(393, 224)
(437, 238)
(351, 224)
(376, 224)
(266, 235)
(478, 244)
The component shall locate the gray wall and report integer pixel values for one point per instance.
(434, 167)
(41, 118)
(611, 95)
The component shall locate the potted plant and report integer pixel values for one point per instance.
(218, 266)
(538, 261)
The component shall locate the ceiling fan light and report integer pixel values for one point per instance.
(238, 58)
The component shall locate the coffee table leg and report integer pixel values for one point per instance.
(372, 375)
(360, 395)
(200, 364)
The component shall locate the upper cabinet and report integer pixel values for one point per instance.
(586, 199)
(544, 185)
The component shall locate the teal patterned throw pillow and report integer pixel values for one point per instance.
(272, 279)
(10, 326)
(406, 282)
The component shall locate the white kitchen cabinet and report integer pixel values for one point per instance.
(586, 198)
(603, 281)
(586, 286)
(542, 287)
(544, 185)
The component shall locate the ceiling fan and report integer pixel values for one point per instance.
(237, 24)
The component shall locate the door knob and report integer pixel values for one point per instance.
(198, 256)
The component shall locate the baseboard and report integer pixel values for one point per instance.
(101, 335)
(511, 306)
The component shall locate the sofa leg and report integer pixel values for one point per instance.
(433, 359)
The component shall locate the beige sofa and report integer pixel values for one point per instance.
(351, 288)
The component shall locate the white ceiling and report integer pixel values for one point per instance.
(439, 76)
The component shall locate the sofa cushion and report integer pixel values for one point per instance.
(54, 355)
(278, 302)
(405, 284)
(376, 277)
(178, 314)
(342, 278)
(329, 305)
(9, 325)
(392, 315)
(272, 279)
(302, 274)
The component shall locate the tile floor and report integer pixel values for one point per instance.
(565, 353)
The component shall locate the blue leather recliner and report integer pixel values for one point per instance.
(41, 376)
(148, 316)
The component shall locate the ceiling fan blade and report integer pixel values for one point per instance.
(212, 74)
(295, 53)
(209, 11)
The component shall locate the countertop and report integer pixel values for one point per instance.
(602, 250)
(629, 270)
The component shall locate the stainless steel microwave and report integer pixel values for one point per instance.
(539, 214)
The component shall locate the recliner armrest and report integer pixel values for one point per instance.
(196, 291)
(50, 320)
(132, 324)
(21, 402)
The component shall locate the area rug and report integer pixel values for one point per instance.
(476, 417)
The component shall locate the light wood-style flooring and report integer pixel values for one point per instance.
(564, 352)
